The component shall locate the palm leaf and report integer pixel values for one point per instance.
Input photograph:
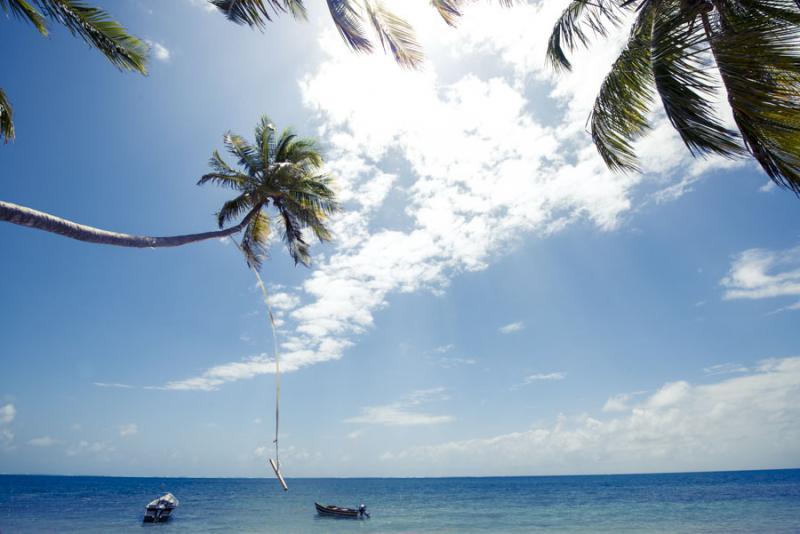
(395, 34)
(265, 138)
(620, 110)
(247, 153)
(578, 20)
(680, 66)
(254, 13)
(97, 28)
(293, 236)
(6, 118)
(350, 25)
(763, 84)
(24, 10)
(302, 151)
(255, 240)
(233, 209)
(448, 9)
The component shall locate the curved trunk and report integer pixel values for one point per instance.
(31, 218)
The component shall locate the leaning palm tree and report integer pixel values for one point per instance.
(674, 49)
(283, 173)
(350, 17)
(91, 24)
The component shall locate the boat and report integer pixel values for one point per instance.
(160, 509)
(329, 510)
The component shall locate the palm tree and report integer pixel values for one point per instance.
(283, 172)
(350, 17)
(92, 24)
(673, 50)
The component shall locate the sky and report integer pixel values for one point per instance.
(495, 301)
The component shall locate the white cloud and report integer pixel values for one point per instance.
(91, 447)
(205, 5)
(512, 327)
(7, 414)
(545, 376)
(483, 167)
(750, 421)
(112, 385)
(44, 441)
(403, 412)
(725, 368)
(159, 51)
(443, 349)
(759, 273)
(620, 402)
(128, 429)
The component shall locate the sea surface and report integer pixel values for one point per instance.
(730, 502)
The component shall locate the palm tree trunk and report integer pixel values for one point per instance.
(31, 218)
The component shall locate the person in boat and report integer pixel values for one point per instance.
(362, 511)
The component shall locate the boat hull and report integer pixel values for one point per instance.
(336, 511)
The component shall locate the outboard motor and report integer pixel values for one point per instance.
(362, 511)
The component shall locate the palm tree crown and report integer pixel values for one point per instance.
(283, 172)
(351, 17)
(673, 50)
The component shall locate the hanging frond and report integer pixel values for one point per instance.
(234, 209)
(235, 181)
(296, 8)
(763, 83)
(349, 22)
(25, 11)
(255, 240)
(681, 64)
(620, 110)
(97, 28)
(254, 13)
(292, 235)
(6, 118)
(395, 34)
(572, 29)
(448, 9)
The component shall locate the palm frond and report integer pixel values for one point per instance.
(348, 21)
(97, 28)
(296, 8)
(284, 141)
(24, 10)
(620, 110)
(247, 153)
(681, 61)
(302, 151)
(235, 181)
(255, 240)
(572, 29)
(395, 34)
(265, 139)
(292, 236)
(6, 118)
(759, 60)
(254, 13)
(448, 9)
(233, 209)
(219, 165)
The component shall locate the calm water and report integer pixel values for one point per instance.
(754, 501)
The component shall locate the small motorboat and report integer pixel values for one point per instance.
(160, 509)
(329, 510)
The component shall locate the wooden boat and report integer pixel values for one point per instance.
(329, 510)
(160, 509)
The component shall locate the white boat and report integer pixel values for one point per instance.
(160, 509)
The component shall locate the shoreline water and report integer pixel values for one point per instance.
(720, 502)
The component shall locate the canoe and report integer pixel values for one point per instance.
(329, 510)
(160, 509)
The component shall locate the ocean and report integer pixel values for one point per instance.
(727, 502)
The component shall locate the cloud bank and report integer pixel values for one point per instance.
(745, 422)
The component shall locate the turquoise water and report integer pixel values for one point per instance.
(733, 502)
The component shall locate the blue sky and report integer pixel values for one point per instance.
(495, 302)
